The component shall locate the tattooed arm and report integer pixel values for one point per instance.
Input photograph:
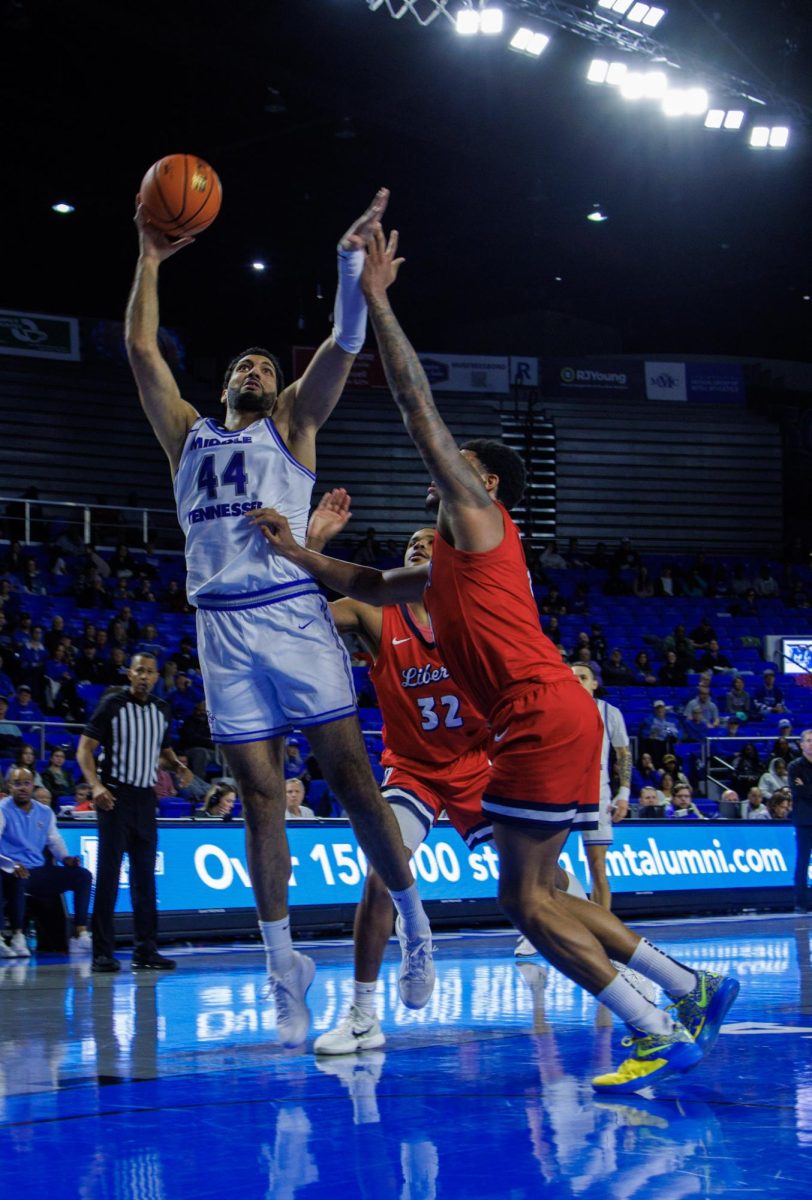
(467, 512)
(621, 800)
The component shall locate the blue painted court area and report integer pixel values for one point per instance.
(114, 1088)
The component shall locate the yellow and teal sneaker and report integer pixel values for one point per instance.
(704, 1009)
(655, 1057)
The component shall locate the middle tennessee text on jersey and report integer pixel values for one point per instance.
(220, 478)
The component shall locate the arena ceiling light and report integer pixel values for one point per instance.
(720, 118)
(529, 41)
(597, 214)
(685, 102)
(628, 10)
(488, 19)
(775, 137)
(644, 85)
(63, 208)
(602, 71)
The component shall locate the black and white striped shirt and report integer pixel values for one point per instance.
(131, 735)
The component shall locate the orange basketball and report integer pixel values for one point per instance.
(182, 194)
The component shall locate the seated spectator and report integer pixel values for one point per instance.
(713, 659)
(768, 697)
(294, 764)
(659, 732)
(115, 672)
(786, 746)
(737, 701)
(665, 792)
(6, 686)
(650, 804)
(55, 778)
(756, 808)
(644, 669)
(186, 657)
(550, 559)
(747, 769)
(294, 798)
(703, 635)
(672, 673)
(673, 766)
(26, 758)
(33, 657)
(580, 600)
(60, 685)
(166, 683)
(779, 805)
(617, 673)
(174, 599)
(195, 740)
(597, 642)
(703, 704)
(31, 581)
(195, 788)
(148, 644)
(122, 593)
(732, 725)
(22, 708)
(83, 798)
(26, 830)
(122, 564)
(88, 668)
(644, 774)
(730, 805)
(11, 736)
(764, 584)
(642, 587)
(185, 697)
(164, 785)
(44, 797)
(369, 549)
(552, 602)
(682, 805)
(599, 557)
(694, 728)
(775, 778)
(740, 582)
(91, 591)
(219, 801)
(552, 627)
(666, 583)
(746, 605)
(55, 633)
(681, 644)
(102, 644)
(123, 630)
(141, 591)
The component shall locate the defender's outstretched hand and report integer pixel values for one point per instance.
(381, 266)
(329, 518)
(275, 529)
(154, 243)
(360, 233)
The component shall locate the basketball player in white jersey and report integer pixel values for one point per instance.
(270, 655)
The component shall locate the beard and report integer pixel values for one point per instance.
(250, 400)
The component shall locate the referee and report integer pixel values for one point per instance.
(132, 729)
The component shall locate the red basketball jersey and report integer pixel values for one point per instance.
(486, 622)
(426, 718)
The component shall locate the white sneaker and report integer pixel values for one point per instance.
(644, 986)
(289, 991)
(19, 946)
(524, 948)
(416, 982)
(355, 1031)
(81, 944)
(5, 949)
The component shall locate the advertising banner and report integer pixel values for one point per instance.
(39, 335)
(202, 867)
(665, 381)
(586, 378)
(465, 373)
(715, 382)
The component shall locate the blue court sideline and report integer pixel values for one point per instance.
(114, 1088)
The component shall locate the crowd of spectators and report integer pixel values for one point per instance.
(52, 667)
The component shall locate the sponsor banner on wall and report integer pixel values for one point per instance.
(666, 381)
(205, 869)
(103, 340)
(39, 335)
(716, 382)
(587, 378)
(466, 373)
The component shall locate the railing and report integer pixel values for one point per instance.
(37, 729)
(28, 519)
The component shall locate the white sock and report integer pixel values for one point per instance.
(624, 1000)
(364, 997)
(673, 977)
(410, 909)
(278, 945)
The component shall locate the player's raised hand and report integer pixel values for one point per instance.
(382, 264)
(329, 518)
(275, 528)
(360, 233)
(154, 243)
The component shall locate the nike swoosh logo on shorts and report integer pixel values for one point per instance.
(497, 737)
(310, 622)
(400, 641)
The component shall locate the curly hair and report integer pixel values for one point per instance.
(501, 460)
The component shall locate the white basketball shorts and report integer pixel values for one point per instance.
(604, 834)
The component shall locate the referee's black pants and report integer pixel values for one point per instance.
(129, 828)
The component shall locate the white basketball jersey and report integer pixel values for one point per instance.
(614, 734)
(222, 476)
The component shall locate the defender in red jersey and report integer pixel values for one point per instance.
(539, 725)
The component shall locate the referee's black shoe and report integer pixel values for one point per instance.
(104, 962)
(152, 962)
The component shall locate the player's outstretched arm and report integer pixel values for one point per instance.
(312, 398)
(169, 415)
(461, 489)
(399, 586)
(327, 520)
